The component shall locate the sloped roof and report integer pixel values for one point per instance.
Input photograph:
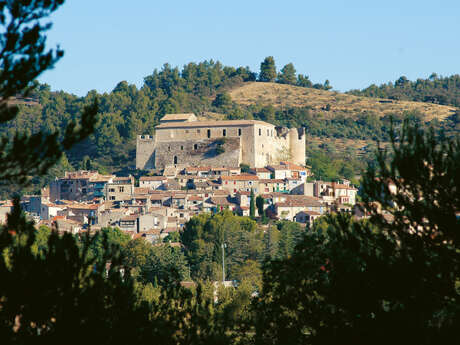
(240, 178)
(226, 123)
(177, 117)
(153, 178)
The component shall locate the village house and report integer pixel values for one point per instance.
(291, 207)
(152, 182)
(261, 173)
(79, 185)
(234, 184)
(279, 172)
(120, 188)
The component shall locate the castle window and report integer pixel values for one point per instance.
(260, 131)
(195, 147)
(209, 133)
(224, 133)
(175, 159)
(268, 132)
(181, 147)
(239, 132)
(169, 148)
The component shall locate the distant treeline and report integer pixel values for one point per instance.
(435, 89)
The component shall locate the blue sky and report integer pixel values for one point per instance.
(351, 43)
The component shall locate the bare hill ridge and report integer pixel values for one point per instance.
(330, 102)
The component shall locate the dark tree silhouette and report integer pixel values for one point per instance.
(393, 278)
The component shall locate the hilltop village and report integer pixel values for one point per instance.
(192, 166)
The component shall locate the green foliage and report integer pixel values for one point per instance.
(329, 165)
(435, 89)
(252, 204)
(172, 237)
(267, 70)
(287, 75)
(245, 168)
(260, 206)
(72, 290)
(109, 237)
(23, 58)
(220, 146)
(361, 282)
(290, 234)
(204, 235)
(223, 100)
(424, 170)
(155, 264)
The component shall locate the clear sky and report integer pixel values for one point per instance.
(352, 43)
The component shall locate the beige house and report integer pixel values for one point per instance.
(121, 188)
(152, 182)
(291, 207)
(238, 183)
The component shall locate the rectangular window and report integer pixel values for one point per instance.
(224, 133)
(268, 132)
(260, 131)
(239, 132)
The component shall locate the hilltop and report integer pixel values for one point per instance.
(330, 102)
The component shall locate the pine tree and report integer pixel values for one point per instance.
(287, 75)
(268, 70)
(252, 205)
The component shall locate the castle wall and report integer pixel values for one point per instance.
(297, 145)
(259, 144)
(270, 146)
(198, 153)
(145, 146)
(199, 133)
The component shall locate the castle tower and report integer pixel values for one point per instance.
(297, 145)
(145, 147)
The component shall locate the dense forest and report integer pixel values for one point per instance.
(436, 89)
(203, 88)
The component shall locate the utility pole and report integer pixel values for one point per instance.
(223, 245)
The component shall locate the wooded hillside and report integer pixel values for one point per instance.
(209, 88)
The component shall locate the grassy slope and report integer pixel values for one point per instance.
(280, 95)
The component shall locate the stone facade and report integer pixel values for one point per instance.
(219, 143)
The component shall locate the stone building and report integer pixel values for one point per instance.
(182, 140)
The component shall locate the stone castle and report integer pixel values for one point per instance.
(183, 140)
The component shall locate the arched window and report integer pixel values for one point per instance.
(175, 159)
(224, 133)
(239, 132)
(195, 146)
